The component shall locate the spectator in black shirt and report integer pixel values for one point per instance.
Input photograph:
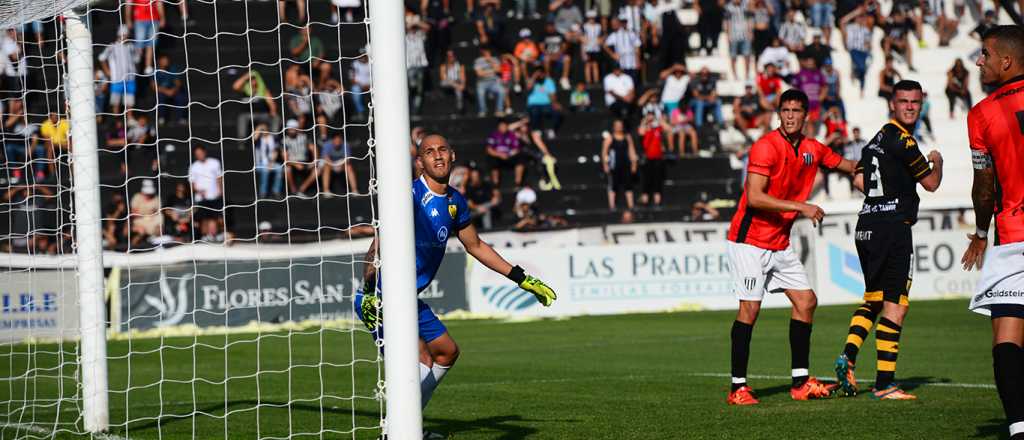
(483, 198)
(705, 94)
(556, 54)
(490, 26)
(818, 51)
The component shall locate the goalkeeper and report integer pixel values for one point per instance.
(438, 209)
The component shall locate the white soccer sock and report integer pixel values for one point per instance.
(1016, 428)
(429, 379)
(800, 372)
(739, 380)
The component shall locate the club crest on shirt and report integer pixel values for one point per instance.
(442, 234)
(808, 159)
(452, 209)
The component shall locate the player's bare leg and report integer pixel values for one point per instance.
(436, 357)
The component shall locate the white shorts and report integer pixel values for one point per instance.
(1002, 278)
(756, 271)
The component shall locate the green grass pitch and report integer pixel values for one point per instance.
(650, 376)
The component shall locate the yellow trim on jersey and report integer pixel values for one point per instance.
(904, 300)
(900, 126)
(873, 296)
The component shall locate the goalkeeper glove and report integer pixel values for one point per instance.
(370, 307)
(371, 311)
(544, 294)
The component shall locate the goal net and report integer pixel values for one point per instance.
(233, 189)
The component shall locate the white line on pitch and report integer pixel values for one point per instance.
(927, 384)
(40, 430)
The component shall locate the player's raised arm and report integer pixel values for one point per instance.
(486, 254)
(758, 198)
(932, 181)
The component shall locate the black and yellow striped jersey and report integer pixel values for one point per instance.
(892, 165)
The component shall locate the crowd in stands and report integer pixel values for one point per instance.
(631, 53)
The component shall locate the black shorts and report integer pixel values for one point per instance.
(1007, 311)
(886, 256)
(506, 164)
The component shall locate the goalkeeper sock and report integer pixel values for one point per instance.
(800, 346)
(1008, 364)
(741, 333)
(887, 341)
(860, 325)
(430, 378)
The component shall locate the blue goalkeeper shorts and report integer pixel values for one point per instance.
(430, 326)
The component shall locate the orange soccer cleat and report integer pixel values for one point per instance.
(812, 389)
(892, 392)
(743, 396)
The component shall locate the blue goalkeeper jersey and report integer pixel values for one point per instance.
(435, 218)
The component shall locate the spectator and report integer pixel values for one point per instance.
(590, 48)
(833, 95)
(858, 43)
(527, 55)
(490, 28)
(360, 78)
(262, 105)
(526, 8)
(709, 23)
(896, 40)
(147, 17)
(207, 179)
(171, 93)
(101, 87)
(542, 102)
(510, 78)
(836, 138)
(16, 135)
(145, 218)
(118, 64)
(652, 134)
(579, 100)
(416, 62)
(769, 84)
(438, 15)
(556, 54)
(140, 131)
(705, 94)
(623, 47)
(503, 152)
(336, 157)
(212, 230)
(702, 211)
(776, 55)
(115, 222)
(619, 93)
(750, 111)
(267, 162)
(946, 27)
(300, 9)
(793, 33)
(673, 94)
(619, 162)
(12, 64)
(739, 27)
(631, 14)
(177, 211)
(488, 83)
(567, 18)
(308, 50)
(673, 35)
(817, 51)
(681, 119)
(887, 78)
(299, 158)
(343, 8)
(957, 86)
(762, 21)
(822, 16)
(329, 100)
(453, 78)
(298, 96)
(811, 81)
(483, 198)
(56, 131)
(852, 150)
(925, 119)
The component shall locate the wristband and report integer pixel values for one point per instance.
(981, 233)
(517, 275)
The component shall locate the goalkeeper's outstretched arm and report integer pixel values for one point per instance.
(486, 254)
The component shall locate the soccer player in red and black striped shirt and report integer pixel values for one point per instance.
(996, 130)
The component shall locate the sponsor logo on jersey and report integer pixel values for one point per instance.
(426, 199)
(434, 213)
(442, 234)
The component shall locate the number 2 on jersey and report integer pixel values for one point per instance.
(876, 179)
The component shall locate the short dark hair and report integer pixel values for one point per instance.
(794, 95)
(1010, 39)
(907, 85)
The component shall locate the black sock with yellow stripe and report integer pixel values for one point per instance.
(860, 325)
(887, 340)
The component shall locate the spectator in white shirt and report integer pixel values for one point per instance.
(206, 178)
(361, 81)
(119, 65)
(619, 92)
(674, 91)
